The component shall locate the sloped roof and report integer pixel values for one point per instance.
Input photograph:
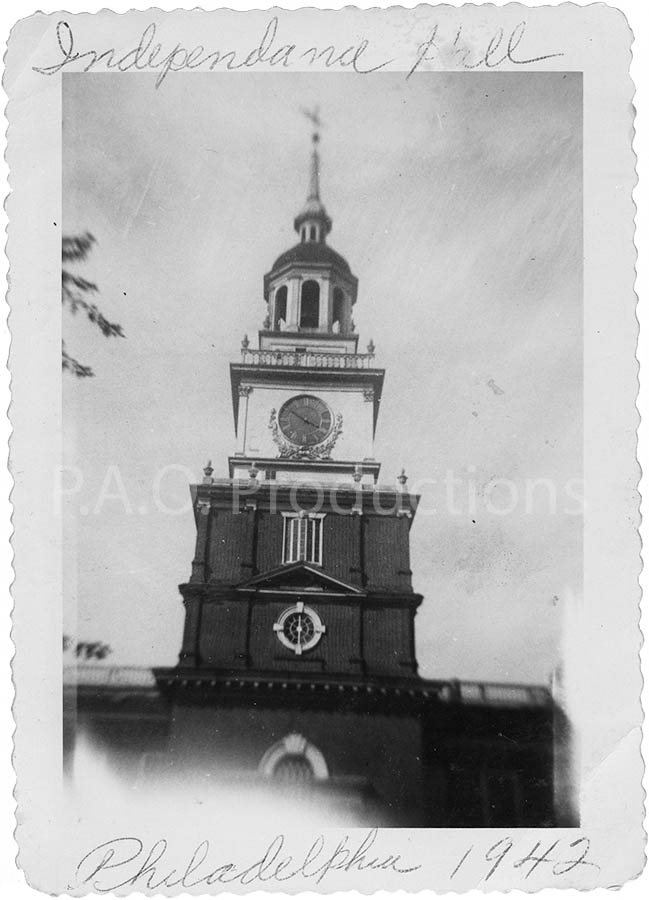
(311, 252)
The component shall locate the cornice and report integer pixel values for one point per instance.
(370, 500)
(343, 468)
(211, 591)
(400, 695)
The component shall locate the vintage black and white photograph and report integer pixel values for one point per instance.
(323, 336)
(323, 371)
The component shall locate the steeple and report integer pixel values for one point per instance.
(312, 223)
(314, 179)
(310, 289)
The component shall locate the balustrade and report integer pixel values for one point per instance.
(307, 359)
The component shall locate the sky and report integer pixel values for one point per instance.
(456, 199)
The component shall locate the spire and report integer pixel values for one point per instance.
(313, 223)
(314, 179)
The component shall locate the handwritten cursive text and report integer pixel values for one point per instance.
(496, 51)
(125, 862)
(147, 55)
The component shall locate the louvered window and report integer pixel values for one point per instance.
(303, 538)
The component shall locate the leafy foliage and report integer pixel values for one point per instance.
(76, 292)
(70, 364)
(77, 247)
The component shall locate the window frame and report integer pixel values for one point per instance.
(300, 530)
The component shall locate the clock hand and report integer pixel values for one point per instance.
(308, 421)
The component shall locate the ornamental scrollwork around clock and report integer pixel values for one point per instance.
(288, 450)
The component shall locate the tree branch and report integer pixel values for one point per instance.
(77, 247)
(69, 364)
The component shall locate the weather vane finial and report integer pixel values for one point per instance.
(313, 115)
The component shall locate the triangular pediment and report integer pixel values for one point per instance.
(299, 576)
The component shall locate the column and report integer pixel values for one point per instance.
(293, 303)
(324, 321)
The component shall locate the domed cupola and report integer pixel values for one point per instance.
(310, 287)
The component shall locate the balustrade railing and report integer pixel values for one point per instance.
(309, 358)
(108, 676)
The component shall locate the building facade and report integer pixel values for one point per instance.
(298, 665)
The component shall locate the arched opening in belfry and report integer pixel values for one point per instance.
(313, 233)
(281, 296)
(338, 310)
(310, 305)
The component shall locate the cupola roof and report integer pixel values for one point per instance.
(311, 252)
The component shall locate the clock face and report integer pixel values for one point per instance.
(305, 420)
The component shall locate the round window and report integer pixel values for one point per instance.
(299, 628)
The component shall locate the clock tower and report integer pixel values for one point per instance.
(298, 652)
(306, 401)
